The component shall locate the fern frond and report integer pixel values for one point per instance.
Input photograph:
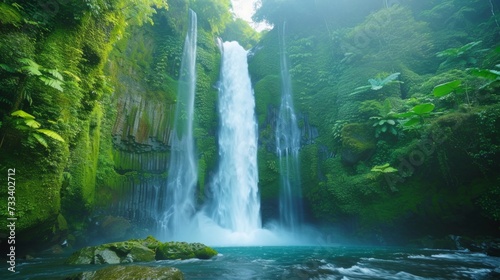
(22, 114)
(32, 68)
(54, 83)
(32, 123)
(52, 134)
(75, 77)
(56, 74)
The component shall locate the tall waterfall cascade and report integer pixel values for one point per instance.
(287, 148)
(235, 198)
(231, 213)
(182, 173)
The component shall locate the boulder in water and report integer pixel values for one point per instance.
(118, 252)
(184, 250)
(140, 250)
(130, 272)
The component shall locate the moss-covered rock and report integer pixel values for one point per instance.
(130, 272)
(140, 250)
(114, 253)
(184, 250)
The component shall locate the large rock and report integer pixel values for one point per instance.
(139, 250)
(130, 272)
(183, 250)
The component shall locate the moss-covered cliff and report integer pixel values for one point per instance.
(102, 76)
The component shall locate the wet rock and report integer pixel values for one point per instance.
(115, 253)
(140, 250)
(184, 250)
(130, 272)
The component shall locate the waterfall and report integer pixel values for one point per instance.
(287, 148)
(182, 171)
(235, 202)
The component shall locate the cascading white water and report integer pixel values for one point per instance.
(235, 201)
(182, 171)
(287, 147)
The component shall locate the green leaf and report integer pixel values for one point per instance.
(485, 73)
(391, 122)
(444, 89)
(360, 89)
(385, 168)
(32, 68)
(40, 139)
(412, 122)
(32, 123)
(390, 170)
(57, 84)
(56, 74)
(423, 109)
(51, 134)
(73, 76)
(390, 78)
(22, 114)
(7, 68)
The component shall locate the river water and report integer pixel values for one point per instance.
(301, 262)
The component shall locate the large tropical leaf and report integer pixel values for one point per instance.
(22, 114)
(40, 139)
(412, 122)
(444, 89)
(51, 134)
(422, 109)
(485, 73)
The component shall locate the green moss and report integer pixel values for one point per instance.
(357, 142)
(183, 250)
(268, 165)
(267, 93)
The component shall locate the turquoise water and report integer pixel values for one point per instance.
(332, 262)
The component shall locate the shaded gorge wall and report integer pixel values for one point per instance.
(145, 68)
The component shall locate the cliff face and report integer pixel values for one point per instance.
(105, 80)
(145, 106)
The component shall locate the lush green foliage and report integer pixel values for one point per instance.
(26, 122)
(378, 83)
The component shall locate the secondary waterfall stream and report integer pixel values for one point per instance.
(182, 172)
(287, 148)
